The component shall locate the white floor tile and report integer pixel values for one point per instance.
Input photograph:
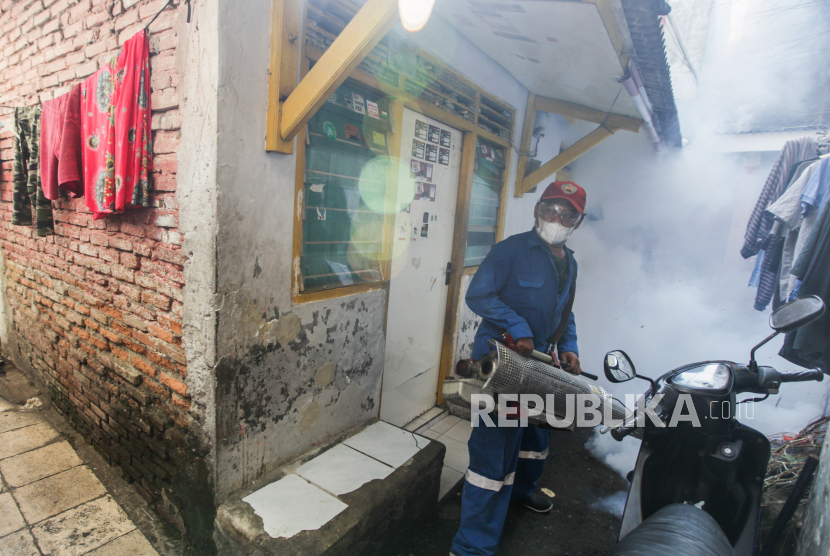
(342, 470)
(291, 505)
(82, 529)
(387, 443)
(461, 431)
(445, 424)
(18, 544)
(449, 478)
(10, 518)
(55, 494)
(25, 439)
(457, 456)
(37, 464)
(11, 420)
(431, 434)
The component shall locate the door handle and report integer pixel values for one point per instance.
(448, 273)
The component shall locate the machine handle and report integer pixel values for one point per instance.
(544, 358)
(802, 376)
(448, 273)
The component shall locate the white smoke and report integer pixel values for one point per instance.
(660, 273)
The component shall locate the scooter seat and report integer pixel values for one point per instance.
(679, 530)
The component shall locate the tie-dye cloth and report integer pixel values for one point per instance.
(115, 124)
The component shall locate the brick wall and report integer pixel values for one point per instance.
(96, 309)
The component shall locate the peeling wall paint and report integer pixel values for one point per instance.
(314, 375)
(466, 325)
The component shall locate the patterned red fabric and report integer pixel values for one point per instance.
(60, 145)
(115, 122)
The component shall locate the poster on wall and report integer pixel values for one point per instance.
(432, 153)
(444, 156)
(421, 130)
(352, 132)
(372, 110)
(420, 170)
(358, 104)
(432, 194)
(434, 134)
(446, 138)
(418, 148)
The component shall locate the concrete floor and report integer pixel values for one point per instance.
(57, 501)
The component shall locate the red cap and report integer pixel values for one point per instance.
(567, 190)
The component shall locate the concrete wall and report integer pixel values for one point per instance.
(288, 377)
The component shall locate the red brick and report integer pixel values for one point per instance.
(161, 333)
(175, 385)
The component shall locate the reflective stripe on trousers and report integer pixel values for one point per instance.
(488, 484)
(534, 455)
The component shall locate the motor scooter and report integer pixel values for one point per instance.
(696, 488)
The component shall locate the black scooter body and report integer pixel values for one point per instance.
(722, 463)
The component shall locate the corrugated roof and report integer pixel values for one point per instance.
(643, 18)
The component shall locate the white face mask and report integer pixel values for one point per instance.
(553, 233)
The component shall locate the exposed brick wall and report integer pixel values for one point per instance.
(97, 308)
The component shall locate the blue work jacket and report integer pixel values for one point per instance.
(515, 289)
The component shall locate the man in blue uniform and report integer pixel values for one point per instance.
(524, 286)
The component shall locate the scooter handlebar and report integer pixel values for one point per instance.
(802, 376)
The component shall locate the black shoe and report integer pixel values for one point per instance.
(537, 503)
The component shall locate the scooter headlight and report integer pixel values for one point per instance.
(712, 376)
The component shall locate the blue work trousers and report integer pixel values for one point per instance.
(505, 463)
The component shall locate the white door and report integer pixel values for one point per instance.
(431, 160)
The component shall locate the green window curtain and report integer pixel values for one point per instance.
(344, 193)
(485, 203)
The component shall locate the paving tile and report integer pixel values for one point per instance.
(2, 485)
(342, 470)
(445, 424)
(387, 443)
(82, 529)
(291, 505)
(10, 518)
(18, 544)
(461, 431)
(25, 439)
(55, 494)
(10, 420)
(131, 544)
(6, 405)
(457, 456)
(431, 434)
(37, 464)
(449, 478)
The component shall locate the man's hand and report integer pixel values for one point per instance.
(524, 346)
(570, 362)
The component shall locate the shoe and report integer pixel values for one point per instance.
(537, 503)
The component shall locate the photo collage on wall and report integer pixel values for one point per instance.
(431, 145)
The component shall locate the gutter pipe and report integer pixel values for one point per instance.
(638, 95)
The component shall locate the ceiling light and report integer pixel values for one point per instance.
(415, 13)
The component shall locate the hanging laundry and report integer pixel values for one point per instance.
(758, 226)
(809, 346)
(115, 123)
(60, 145)
(787, 210)
(26, 175)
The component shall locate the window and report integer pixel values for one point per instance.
(488, 182)
(344, 191)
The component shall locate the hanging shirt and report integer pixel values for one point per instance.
(758, 227)
(788, 211)
(517, 289)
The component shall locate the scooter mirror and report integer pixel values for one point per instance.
(618, 366)
(796, 314)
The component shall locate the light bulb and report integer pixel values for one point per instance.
(415, 13)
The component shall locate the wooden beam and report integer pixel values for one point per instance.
(567, 156)
(609, 20)
(572, 110)
(360, 36)
(527, 139)
(286, 18)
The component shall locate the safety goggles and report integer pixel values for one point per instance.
(552, 211)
